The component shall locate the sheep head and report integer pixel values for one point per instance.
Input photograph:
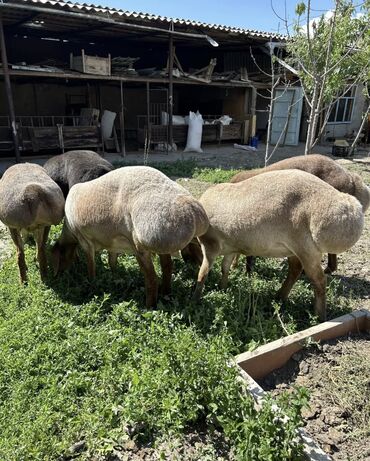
(62, 256)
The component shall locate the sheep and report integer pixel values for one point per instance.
(30, 200)
(279, 214)
(131, 209)
(76, 166)
(324, 168)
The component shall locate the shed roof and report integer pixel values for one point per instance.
(133, 17)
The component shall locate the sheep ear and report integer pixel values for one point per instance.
(55, 259)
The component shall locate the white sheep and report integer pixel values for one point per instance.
(132, 209)
(30, 200)
(279, 214)
(324, 168)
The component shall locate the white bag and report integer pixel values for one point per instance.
(176, 119)
(194, 139)
(107, 122)
(225, 120)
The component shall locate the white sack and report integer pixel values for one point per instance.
(194, 139)
(225, 120)
(176, 119)
(107, 122)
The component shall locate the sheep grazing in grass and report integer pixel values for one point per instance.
(31, 201)
(131, 209)
(279, 214)
(324, 168)
(76, 166)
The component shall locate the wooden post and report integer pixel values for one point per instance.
(148, 127)
(253, 101)
(253, 112)
(8, 89)
(170, 90)
(122, 123)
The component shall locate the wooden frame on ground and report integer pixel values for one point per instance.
(263, 360)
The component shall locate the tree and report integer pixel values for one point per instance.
(329, 53)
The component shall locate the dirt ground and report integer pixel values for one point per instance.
(337, 375)
(214, 155)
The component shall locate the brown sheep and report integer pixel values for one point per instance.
(131, 209)
(324, 168)
(30, 200)
(279, 214)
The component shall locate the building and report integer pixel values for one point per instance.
(64, 64)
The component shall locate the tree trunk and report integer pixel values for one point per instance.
(312, 121)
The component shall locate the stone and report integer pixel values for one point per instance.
(304, 368)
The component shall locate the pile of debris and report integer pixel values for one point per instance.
(124, 66)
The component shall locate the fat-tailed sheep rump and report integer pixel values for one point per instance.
(131, 209)
(324, 168)
(30, 200)
(280, 214)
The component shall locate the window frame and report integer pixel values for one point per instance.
(353, 90)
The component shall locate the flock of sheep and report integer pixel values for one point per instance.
(299, 208)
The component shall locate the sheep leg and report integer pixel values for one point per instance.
(235, 262)
(225, 268)
(314, 272)
(18, 242)
(91, 265)
(167, 266)
(294, 271)
(112, 260)
(151, 283)
(208, 260)
(332, 264)
(41, 237)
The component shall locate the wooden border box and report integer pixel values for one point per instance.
(263, 360)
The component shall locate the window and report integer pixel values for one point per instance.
(341, 111)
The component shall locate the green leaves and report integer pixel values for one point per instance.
(300, 9)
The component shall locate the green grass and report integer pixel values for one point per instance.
(188, 169)
(214, 175)
(177, 169)
(86, 361)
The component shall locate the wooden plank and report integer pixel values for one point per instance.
(269, 357)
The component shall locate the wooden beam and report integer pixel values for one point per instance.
(136, 79)
(8, 90)
(148, 124)
(122, 122)
(170, 91)
(271, 356)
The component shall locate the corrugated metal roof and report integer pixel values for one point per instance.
(148, 17)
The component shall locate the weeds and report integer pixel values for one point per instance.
(83, 361)
(214, 175)
(78, 363)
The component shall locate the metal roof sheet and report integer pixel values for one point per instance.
(148, 17)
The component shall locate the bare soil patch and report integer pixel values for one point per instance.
(337, 375)
(5, 243)
(196, 445)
